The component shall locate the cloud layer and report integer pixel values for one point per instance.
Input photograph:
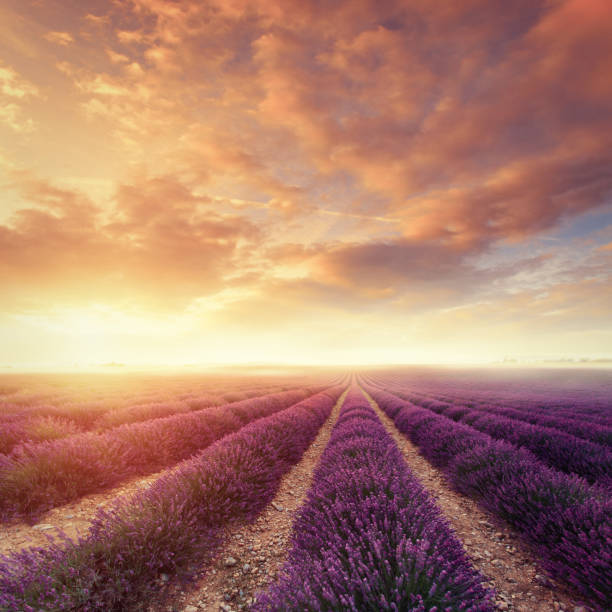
(402, 159)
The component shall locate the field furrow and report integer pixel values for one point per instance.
(590, 429)
(259, 548)
(73, 519)
(497, 551)
(566, 520)
(368, 536)
(558, 449)
(400, 489)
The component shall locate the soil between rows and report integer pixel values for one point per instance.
(496, 550)
(73, 518)
(251, 555)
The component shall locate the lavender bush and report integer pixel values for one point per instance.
(594, 432)
(369, 537)
(554, 447)
(143, 412)
(35, 422)
(34, 429)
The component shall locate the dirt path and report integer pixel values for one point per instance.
(495, 550)
(74, 518)
(251, 555)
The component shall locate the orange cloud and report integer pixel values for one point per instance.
(424, 107)
(15, 92)
(158, 236)
(60, 38)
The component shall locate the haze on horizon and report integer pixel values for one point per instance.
(281, 181)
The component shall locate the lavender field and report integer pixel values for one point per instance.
(415, 489)
(306, 305)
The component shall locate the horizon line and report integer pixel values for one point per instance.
(118, 368)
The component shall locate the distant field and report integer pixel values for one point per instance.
(386, 489)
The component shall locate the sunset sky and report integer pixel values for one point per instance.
(300, 181)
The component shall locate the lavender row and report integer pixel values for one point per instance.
(155, 410)
(577, 426)
(169, 528)
(34, 429)
(41, 423)
(536, 415)
(42, 476)
(369, 537)
(594, 432)
(556, 448)
(573, 408)
(568, 521)
(566, 394)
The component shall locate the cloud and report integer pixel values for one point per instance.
(15, 93)
(10, 114)
(60, 38)
(450, 107)
(160, 245)
(392, 266)
(416, 274)
(458, 121)
(13, 85)
(372, 158)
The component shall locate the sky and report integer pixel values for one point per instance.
(187, 182)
